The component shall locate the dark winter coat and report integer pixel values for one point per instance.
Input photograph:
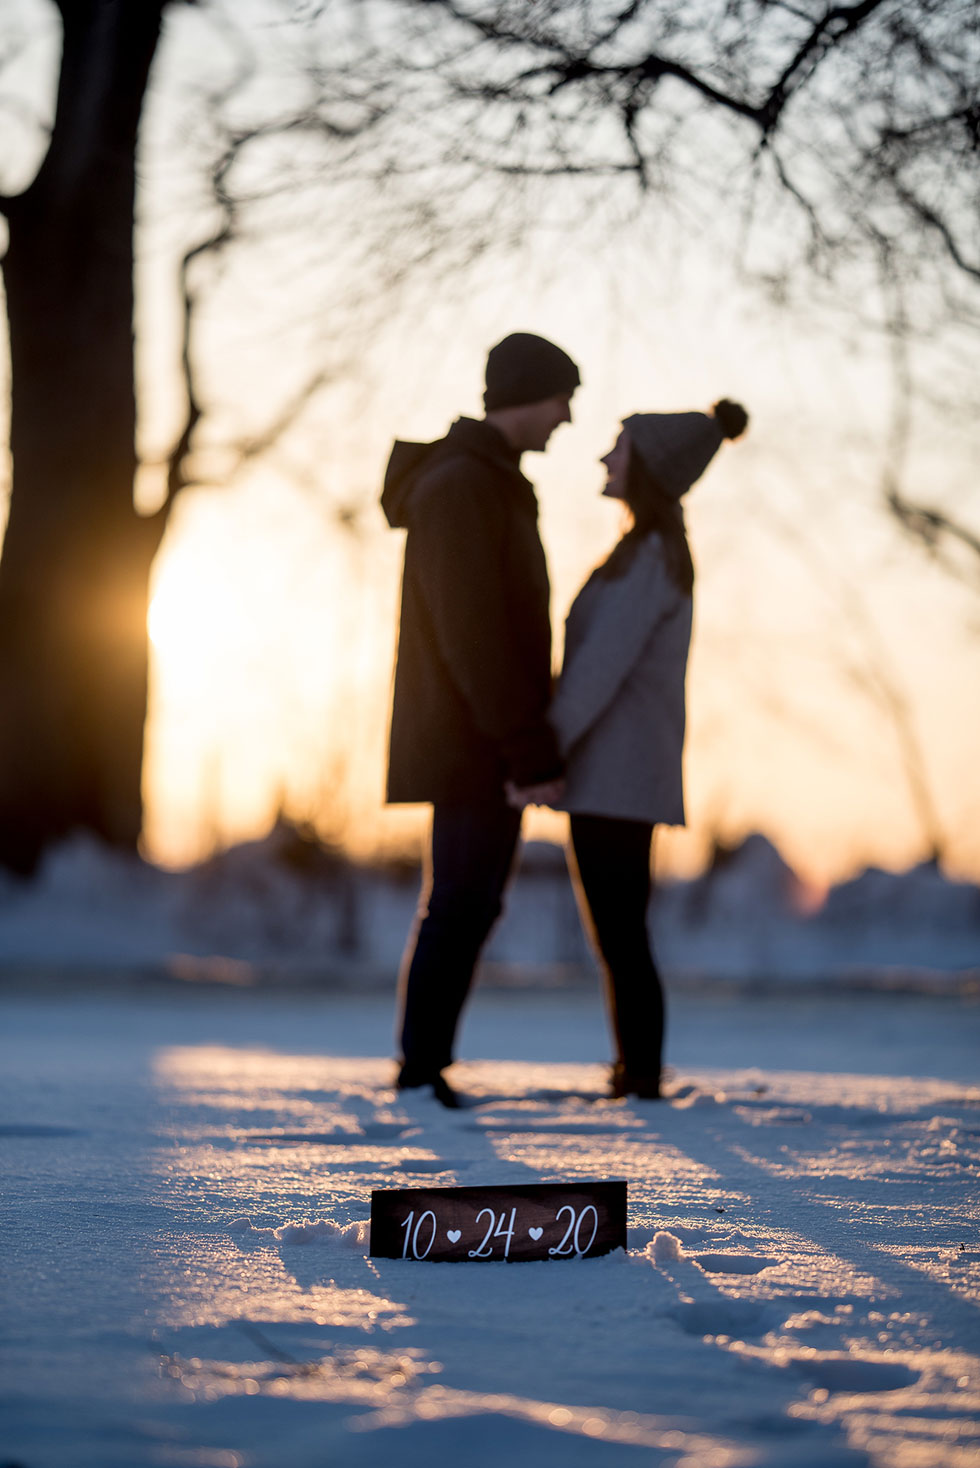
(473, 673)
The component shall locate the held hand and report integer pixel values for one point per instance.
(549, 792)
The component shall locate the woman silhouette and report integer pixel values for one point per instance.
(619, 715)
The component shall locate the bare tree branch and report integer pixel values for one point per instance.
(930, 525)
(931, 219)
(832, 28)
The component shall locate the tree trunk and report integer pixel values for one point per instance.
(76, 559)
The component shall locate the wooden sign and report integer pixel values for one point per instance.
(576, 1220)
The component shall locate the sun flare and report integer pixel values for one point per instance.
(180, 610)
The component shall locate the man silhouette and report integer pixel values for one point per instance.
(472, 678)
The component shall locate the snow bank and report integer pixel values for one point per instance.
(318, 1231)
(289, 908)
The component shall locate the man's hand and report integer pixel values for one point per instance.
(549, 792)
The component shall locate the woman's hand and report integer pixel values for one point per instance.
(549, 792)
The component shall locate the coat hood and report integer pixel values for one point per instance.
(408, 461)
(405, 461)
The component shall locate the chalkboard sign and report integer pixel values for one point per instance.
(577, 1220)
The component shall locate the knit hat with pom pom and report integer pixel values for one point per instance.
(677, 447)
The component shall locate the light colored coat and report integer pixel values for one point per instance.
(619, 707)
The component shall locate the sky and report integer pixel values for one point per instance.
(830, 656)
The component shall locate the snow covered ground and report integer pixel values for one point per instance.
(186, 1277)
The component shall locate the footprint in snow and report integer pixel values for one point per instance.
(666, 1247)
(773, 1115)
(383, 1131)
(741, 1318)
(428, 1164)
(338, 1138)
(734, 1263)
(840, 1373)
(683, 1097)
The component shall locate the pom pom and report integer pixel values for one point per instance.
(732, 418)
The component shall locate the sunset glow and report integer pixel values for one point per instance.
(273, 634)
(180, 612)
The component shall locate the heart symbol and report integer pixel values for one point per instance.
(535, 1233)
(453, 1235)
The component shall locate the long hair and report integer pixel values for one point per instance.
(651, 510)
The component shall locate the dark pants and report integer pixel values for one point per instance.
(471, 857)
(613, 888)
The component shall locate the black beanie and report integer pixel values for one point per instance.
(527, 369)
